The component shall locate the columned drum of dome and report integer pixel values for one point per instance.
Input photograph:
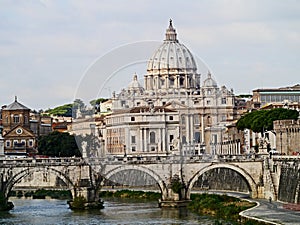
(172, 66)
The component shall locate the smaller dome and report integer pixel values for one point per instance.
(209, 82)
(135, 85)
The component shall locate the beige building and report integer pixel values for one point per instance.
(287, 136)
(174, 112)
(277, 97)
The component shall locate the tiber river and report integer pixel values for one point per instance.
(50, 211)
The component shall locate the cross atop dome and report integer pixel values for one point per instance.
(171, 34)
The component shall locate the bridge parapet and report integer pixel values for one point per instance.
(20, 162)
(119, 160)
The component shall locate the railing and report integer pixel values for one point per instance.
(40, 161)
(152, 159)
(140, 159)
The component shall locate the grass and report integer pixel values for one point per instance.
(131, 194)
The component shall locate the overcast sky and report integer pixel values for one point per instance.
(47, 46)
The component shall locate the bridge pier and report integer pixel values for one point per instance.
(5, 205)
(85, 198)
(171, 199)
(174, 195)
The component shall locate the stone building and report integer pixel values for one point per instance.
(21, 128)
(19, 139)
(287, 136)
(172, 113)
(288, 97)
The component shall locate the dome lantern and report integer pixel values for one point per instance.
(171, 33)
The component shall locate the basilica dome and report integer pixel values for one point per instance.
(172, 55)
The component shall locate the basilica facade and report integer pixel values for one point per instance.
(174, 112)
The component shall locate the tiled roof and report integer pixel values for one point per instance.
(16, 106)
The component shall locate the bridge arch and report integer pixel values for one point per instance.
(160, 181)
(250, 181)
(15, 178)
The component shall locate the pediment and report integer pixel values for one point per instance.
(175, 105)
(19, 131)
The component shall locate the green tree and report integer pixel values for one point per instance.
(261, 120)
(97, 101)
(58, 144)
(64, 110)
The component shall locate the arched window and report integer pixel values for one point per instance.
(152, 137)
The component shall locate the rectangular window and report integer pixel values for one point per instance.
(197, 137)
(7, 143)
(16, 119)
(171, 137)
(214, 138)
(133, 149)
(223, 118)
(170, 117)
(132, 118)
(132, 139)
(223, 101)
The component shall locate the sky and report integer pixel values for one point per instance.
(48, 47)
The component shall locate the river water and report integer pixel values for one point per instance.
(52, 211)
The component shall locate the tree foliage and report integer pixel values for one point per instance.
(58, 144)
(261, 120)
(64, 110)
(97, 101)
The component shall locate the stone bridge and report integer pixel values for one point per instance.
(85, 177)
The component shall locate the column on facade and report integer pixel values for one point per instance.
(159, 141)
(177, 81)
(156, 82)
(167, 81)
(186, 84)
(164, 138)
(141, 145)
(192, 131)
(145, 140)
(127, 140)
(202, 129)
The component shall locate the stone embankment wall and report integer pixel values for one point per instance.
(289, 183)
